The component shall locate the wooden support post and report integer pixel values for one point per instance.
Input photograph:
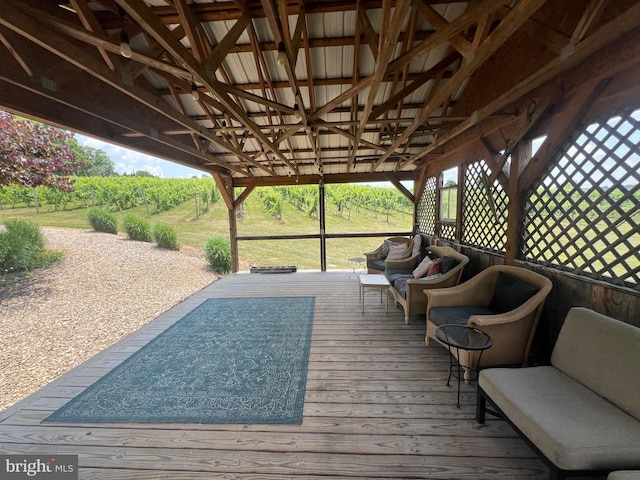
(225, 186)
(460, 192)
(519, 157)
(323, 239)
(233, 234)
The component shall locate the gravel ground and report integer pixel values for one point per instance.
(105, 288)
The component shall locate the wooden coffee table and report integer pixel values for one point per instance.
(374, 282)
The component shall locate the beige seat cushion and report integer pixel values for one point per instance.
(624, 475)
(572, 426)
(603, 354)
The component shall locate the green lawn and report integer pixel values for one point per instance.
(193, 232)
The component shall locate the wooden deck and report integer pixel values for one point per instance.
(376, 406)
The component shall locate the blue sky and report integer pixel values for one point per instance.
(130, 161)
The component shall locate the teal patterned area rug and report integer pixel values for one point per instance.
(230, 360)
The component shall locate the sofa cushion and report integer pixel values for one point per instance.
(436, 267)
(393, 274)
(457, 315)
(422, 268)
(449, 263)
(417, 245)
(376, 264)
(510, 292)
(400, 284)
(399, 251)
(573, 426)
(624, 475)
(603, 354)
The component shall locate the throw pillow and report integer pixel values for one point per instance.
(398, 251)
(436, 267)
(422, 268)
(510, 292)
(417, 243)
(384, 249)
(449, 263)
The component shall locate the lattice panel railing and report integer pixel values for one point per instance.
(427, 208)
(484, 214)
(584, 214)
(447, 231)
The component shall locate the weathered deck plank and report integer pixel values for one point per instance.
(376, 406)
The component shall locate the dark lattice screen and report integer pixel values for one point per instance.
(484, 216)
(427, 208)
(448, 231)
(584, 214)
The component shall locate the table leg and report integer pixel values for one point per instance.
(362, 297)
(386, 296)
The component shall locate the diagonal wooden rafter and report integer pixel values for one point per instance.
(423, 78)
(89, 21)
(523, 10)
(218, 54)
(192, 28)
(609, 32)
(533, 114)
(12, 18)
(403, 76)
(465, 20)
(561, 128)
(438, 22)
(18, 58)
(390, 30)
(263, 73)
(144, 17)
(369, 32)
(591, 14)
(279, 23)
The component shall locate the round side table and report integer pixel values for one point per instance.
(462, 337)
(355, 263)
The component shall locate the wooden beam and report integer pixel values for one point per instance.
(388, 39)
(534, 112)
(89, 21)
(401, 188)
(438, 22)
(615, 59)
(40, 35)
(143, 15)
(218, 54)
(523, 10)
(364, 24)
(560, 128)
(466, 19)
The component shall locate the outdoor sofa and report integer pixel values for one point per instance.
(582, 412)
(408, 283)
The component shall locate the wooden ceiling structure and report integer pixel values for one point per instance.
(275, 92)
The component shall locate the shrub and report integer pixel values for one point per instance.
(102, 221)
(137, 228)
(217, 251)
(165, 236)
(22, 247)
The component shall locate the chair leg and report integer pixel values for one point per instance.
(427, 340)
(481, 404)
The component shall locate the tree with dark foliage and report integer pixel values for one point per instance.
(33, 154)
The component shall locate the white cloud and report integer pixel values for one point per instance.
(129, 161)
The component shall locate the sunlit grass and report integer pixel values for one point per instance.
(254, 221)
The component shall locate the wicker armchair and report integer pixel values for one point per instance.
(375, 259)
(472, 303)
(411, 294)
